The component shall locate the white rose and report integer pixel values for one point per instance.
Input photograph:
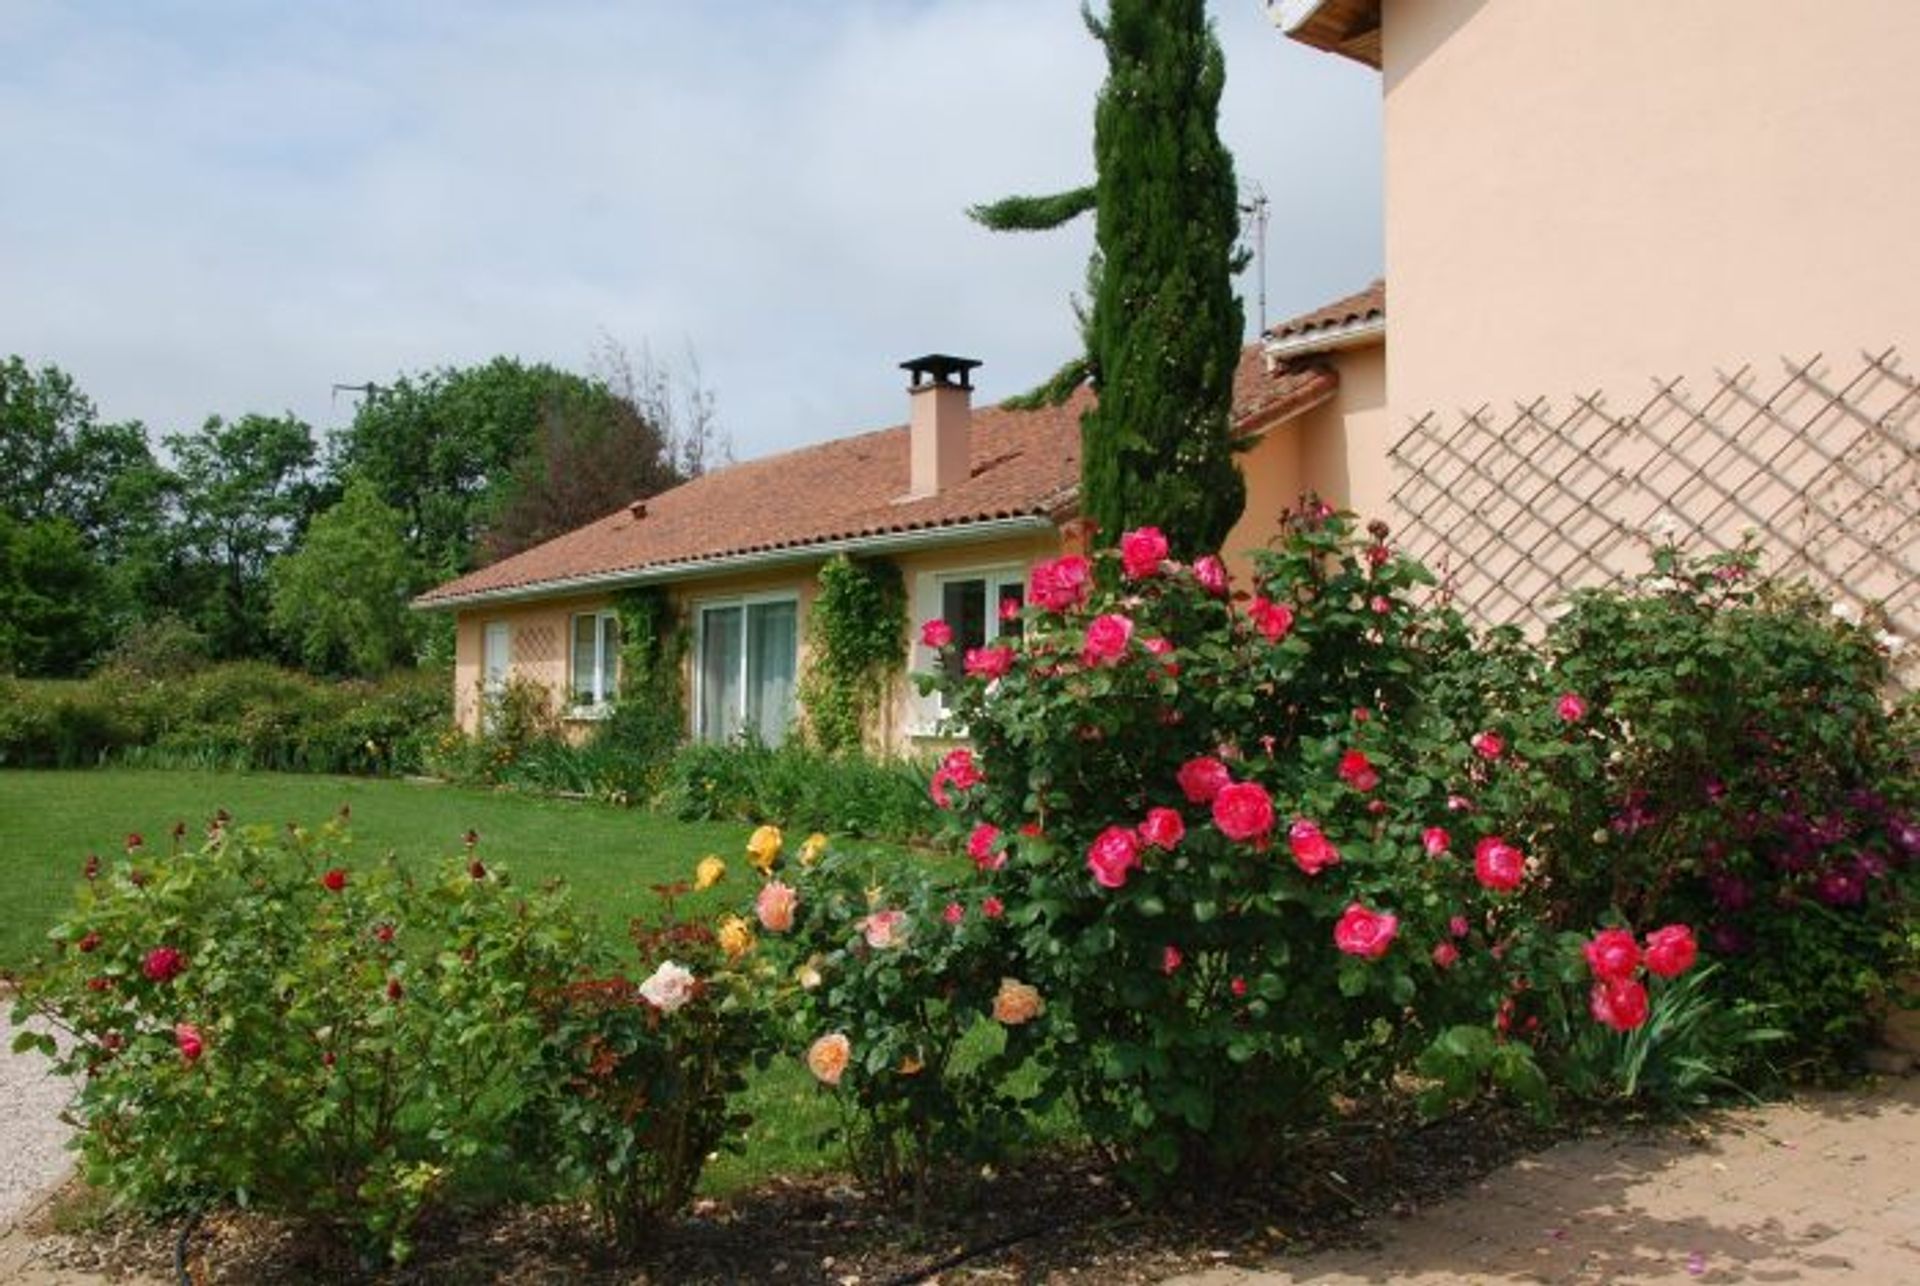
(670, 987)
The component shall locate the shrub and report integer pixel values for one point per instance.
(793, 785)
(271, 1021)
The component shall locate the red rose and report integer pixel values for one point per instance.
(1445, 955)
(1114, 852)
(383, 933)
(334, 880)
(1498, 865)
(1313, 852)
(476, 869)
(470, 838)
(1612, 954)
(163, 964)
(1203, 778)
(992, 907)
(980, 847)
(1238, 986)
(1170, 959)
(1571, 707)
(1620, 1003)
(1671, 951)
(1243, 811)
(395, 990)
(1273, 620)
(936, 634)
(1164, 828)
(954, 913)
(1010, 607)
(1357, 771)
(187, 1037)
(134, 841)
(1435, 840)
(91, 869)
(1107, 638)
(1060, 585)
(1458, 926)
(957, 769)
(97, 983)
(1162, 648)
(90, 942)
(1142, 551)
(1212, 574)
(1488, 745)
(1364, 932)
(989, 662)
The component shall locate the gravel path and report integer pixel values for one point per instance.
(33, 1151)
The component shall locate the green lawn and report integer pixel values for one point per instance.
(50, 821)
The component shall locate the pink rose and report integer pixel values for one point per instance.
(1170, 959)
(1435, 840)
(1380, 605)
(1498, 865)
(936, 634)
(957, 770)
(980, 847)
(1061, 585)
(1671, 951)
(1107, 638)
(1313, 852)
(1162, 648)
(1243, 811)
(1273, 620)
(1571, 707)
(1114, 852)
(1357, 771)
(1612, 953)
(669, 987)
(1238, 986)
(884, 929)
(1459, 804)
(1445, 955)
(1364, 932)
(992, 907)
(187, 1037)
(775, 906)
(1212, 574)
(1163, 828)
(1620, 1003)
(1458, 926)
(163, 964)
(1010, 608)
(1488, 745)
(954, 913)
(1141, 552)
(1203, 778)
(989, 662)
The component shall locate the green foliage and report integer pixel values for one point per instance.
(163, 647)
(339, 601)
(52, 620)
(1163, 330)
(792, 785)
(649, 719)
(274, 1021)
(857, 634)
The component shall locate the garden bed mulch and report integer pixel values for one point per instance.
(1058, 1218)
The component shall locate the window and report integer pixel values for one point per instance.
(980, 606)
(596, 659)
(496, 665)
(746, 654)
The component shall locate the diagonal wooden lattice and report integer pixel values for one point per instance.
(1821, 468)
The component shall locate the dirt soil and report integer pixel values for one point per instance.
(1062, 1218)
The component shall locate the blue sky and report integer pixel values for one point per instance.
(229, 207)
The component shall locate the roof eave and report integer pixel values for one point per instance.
(752, 560)
(1327, 339)
(1350, 28)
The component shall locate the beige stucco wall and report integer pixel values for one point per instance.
(1585, 194)
(538, 649)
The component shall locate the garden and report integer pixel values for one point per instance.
(1235, 886)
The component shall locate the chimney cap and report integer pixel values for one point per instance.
(940, 368)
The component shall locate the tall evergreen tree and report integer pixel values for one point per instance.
(1163, 330)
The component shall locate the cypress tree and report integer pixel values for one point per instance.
(1163, 330)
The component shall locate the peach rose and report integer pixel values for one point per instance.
(775, 906)
(1017, 1003)
(827, 1057)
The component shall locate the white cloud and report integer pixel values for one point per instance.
(230, 207)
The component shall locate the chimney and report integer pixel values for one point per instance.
(940, 405)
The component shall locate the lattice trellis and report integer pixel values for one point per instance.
(1514, 510)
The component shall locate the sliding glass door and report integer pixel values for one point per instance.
(748, 654)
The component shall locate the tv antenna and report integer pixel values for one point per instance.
(1255, 205)
(366, 390)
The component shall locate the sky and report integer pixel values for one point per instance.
(223, 206)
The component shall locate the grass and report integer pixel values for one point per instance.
(611, 857)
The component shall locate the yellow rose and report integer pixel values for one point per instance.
(709, 872)
(763, 847)
(735, 936)
(811, 850)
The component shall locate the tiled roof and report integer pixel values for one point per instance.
(1365, 306)
(1026, 464)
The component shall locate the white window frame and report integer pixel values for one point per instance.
(492, 686)
(606, 670)
(929, 597)
(700, 607)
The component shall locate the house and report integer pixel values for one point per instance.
(1651, 268)
(962, 500)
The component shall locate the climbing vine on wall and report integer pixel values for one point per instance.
(650, 715)
(856, 634)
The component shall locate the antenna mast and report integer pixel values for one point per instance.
(1256, 205)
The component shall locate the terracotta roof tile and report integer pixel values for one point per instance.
(1366, 305)
(1024, 463)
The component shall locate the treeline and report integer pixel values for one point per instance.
(257, 538)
